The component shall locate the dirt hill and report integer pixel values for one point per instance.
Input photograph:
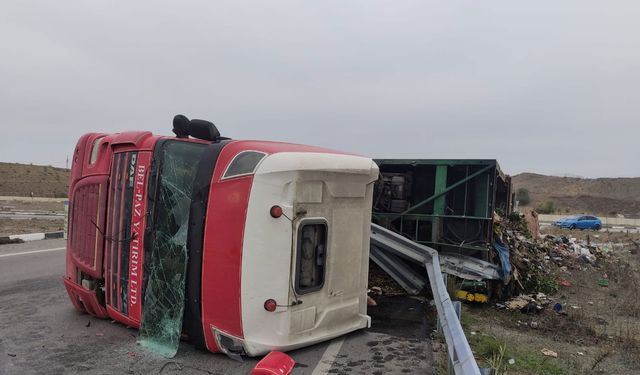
(599, 196)
(43, 181)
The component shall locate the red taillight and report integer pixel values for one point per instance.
(270, 305)
(276, 211)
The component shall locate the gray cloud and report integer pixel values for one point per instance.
(544, 86)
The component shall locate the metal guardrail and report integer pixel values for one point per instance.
(410, 280)
(467, 267)
(458, 347)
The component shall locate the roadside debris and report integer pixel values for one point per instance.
(528, 303)
(274, 363)
(549, 353)
(537, 262)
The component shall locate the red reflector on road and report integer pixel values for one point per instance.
(274, 363)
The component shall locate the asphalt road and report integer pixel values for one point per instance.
(41, 333)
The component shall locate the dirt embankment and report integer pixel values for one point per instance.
(599, 196)
(24, 179)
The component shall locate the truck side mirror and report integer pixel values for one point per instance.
(181, 126)
(202, 129)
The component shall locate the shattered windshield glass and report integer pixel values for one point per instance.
(164, 299)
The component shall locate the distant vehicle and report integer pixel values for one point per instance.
(579, 222)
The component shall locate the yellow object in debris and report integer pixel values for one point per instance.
(471, 297)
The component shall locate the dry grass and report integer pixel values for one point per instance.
(43, 181)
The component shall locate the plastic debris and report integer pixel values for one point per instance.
(274, 363)
(557, 307)
(517, 303)
(549, 353)
(511, 361)
(565, 283)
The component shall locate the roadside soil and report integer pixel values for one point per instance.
(23, 226)
(598, 332)
(26, 205)
(10, 226)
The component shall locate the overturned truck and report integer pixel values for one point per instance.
(242, 247)
(450, 206)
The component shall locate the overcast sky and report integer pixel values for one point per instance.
(543, 86)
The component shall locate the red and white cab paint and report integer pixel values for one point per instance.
(284, 245)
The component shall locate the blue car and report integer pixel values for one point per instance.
(579, 222)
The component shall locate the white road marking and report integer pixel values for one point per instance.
(329, 356)
(32, 252)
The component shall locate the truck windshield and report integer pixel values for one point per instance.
(165, 292)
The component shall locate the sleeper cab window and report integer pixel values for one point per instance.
(94, 150)
(243, 164)
(311, 256)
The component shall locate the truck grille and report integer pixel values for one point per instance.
(86, 222)
(119, 228)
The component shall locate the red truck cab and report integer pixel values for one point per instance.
(243, 247)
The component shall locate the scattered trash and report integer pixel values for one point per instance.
(565, 283)
(580, 353)
(557, 307)
(99, 334)
(534, 325)
(511, 361)
(131, 354)
(549, 353)
(517, 303)
(371, 301)
(11, 354)
(531, 307)
(88, 324)
(603, 282)
(536, 259)
(274, 363)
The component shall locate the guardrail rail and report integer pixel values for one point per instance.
(388, 247)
